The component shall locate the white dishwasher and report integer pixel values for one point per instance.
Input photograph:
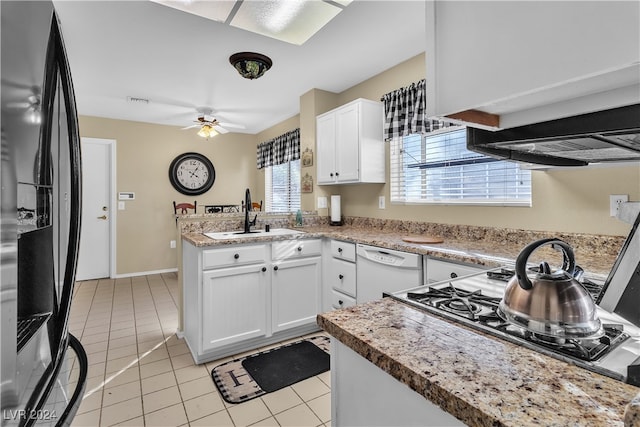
(381, 270)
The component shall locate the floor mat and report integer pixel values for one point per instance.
(252, 376)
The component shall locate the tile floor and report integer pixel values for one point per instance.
(141, 374)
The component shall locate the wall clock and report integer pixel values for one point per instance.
(192, 174)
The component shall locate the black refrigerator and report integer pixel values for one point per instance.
(40, 178)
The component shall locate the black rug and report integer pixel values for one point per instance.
(249, 377)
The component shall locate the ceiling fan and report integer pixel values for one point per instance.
(210, 126)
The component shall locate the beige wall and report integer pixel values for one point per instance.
(571, 200)
(144, 152)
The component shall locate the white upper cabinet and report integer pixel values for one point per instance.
(349, 144)
(505, 64)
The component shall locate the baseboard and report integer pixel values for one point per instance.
(144, 273)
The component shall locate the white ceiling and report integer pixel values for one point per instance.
(180, 61)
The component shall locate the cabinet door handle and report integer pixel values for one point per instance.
(453, 275)
(340, 302)
(331, 174)
(299, 248)
(275, 268)
(337, 173)
(340, 276)
(264, 269)
(236, 256)
(340, 250)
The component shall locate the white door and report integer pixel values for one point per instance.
(233, 305)
(94, 259)
(295, 288)
(348, 144)
(326, 132)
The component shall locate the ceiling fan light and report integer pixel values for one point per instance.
(250, 65)
(204, 131)
(207, 131)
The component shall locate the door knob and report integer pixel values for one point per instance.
(102, 217)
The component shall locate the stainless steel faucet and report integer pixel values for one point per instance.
(247, 205)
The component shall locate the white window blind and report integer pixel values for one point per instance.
(282, 187)
(437, 168)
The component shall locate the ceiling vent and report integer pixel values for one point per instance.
(136, 100)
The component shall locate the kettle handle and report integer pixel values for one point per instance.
(568, 263)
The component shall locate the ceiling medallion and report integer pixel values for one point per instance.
(250, 65)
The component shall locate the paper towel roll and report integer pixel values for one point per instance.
(335, 210)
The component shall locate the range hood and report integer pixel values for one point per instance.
(604, 136)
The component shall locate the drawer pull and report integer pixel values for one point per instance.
(264, 269)
(340, 302)
(340, 276)
(299, 248)
(275, 268)
(236, 256)
(340, 250)
(453, 275)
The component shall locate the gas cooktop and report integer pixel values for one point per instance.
(473, 301)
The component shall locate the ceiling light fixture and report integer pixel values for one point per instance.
(207, 131)
(250, 65)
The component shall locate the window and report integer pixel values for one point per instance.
(437, 168)
(282, 187)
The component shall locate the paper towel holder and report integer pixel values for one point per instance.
(335, 217)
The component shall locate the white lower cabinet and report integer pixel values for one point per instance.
(241, 297)
(437, 270)
(234, 309)
(340, 275)
(296, 298)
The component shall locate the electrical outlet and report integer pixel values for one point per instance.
(322, 202)
(172, 244)
(614, 202)
(381, 202)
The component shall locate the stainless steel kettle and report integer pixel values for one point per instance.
(553, 303)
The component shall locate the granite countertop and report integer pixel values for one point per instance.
(502, 385)
(491, 252)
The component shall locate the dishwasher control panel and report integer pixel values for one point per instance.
(384, 257)
(389, 257)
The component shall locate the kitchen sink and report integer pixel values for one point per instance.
(223, 235)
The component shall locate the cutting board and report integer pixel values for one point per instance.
(422, 239)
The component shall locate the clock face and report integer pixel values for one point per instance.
(192, 173)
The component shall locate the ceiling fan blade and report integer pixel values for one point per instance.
(220, 129)
(231, 125)
(191, 127)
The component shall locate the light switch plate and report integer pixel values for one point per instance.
(322, 202)
(120, 206)
(381, 202)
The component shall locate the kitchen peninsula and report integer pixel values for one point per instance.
(482, 381)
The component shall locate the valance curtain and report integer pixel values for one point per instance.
(404, 111)
(279, 150)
